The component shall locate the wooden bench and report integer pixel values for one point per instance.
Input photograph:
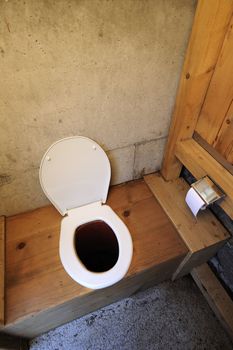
(40, 295)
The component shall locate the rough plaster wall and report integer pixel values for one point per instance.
(103, 69)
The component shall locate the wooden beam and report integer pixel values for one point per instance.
(212, 18)
(214, 152)
(2, 270)
(216, 296)
(203, 235)
(200, 163)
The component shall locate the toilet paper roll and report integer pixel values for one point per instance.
(194, 201)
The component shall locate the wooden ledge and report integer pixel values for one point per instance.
(203, 235)
(200, 163)
(40, 295)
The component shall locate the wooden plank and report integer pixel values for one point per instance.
(224, 139)
(227, 206)
(201, 163)
(41, 295)
(212, 18)
(203, 236)
(195, 259)
(214, 152)
(80, 305)
(220, 94)
(2, 270)
(216, 296)
(197, 233)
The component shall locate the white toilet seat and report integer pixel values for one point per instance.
(71, 262)
(75, 175)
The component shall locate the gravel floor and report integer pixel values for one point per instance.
(172, 315)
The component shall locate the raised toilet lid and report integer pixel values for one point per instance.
(75, 171)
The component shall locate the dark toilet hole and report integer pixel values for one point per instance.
(96, 246)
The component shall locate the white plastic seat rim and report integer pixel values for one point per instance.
(68, 255)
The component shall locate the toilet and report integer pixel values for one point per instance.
(95, 245)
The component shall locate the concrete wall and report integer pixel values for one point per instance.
(104, 69)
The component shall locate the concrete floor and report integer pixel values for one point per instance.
(172, 315)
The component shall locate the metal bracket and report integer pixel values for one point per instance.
(208, 190)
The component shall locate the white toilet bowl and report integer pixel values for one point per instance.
(95, 245)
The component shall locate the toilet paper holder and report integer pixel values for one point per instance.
(208, 190)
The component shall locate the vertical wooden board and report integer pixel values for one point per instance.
(210, 26)
(224, 140)
(219, 95)
(2, 268)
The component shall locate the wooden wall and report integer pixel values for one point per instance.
(201, 132)
(209, 40)
(215, 123)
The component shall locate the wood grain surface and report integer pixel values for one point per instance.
(210, 26)
(203, 235)
(41, 295)
(216, 296)
(214, 122)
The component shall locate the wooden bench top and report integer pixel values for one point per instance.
(35, 277)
